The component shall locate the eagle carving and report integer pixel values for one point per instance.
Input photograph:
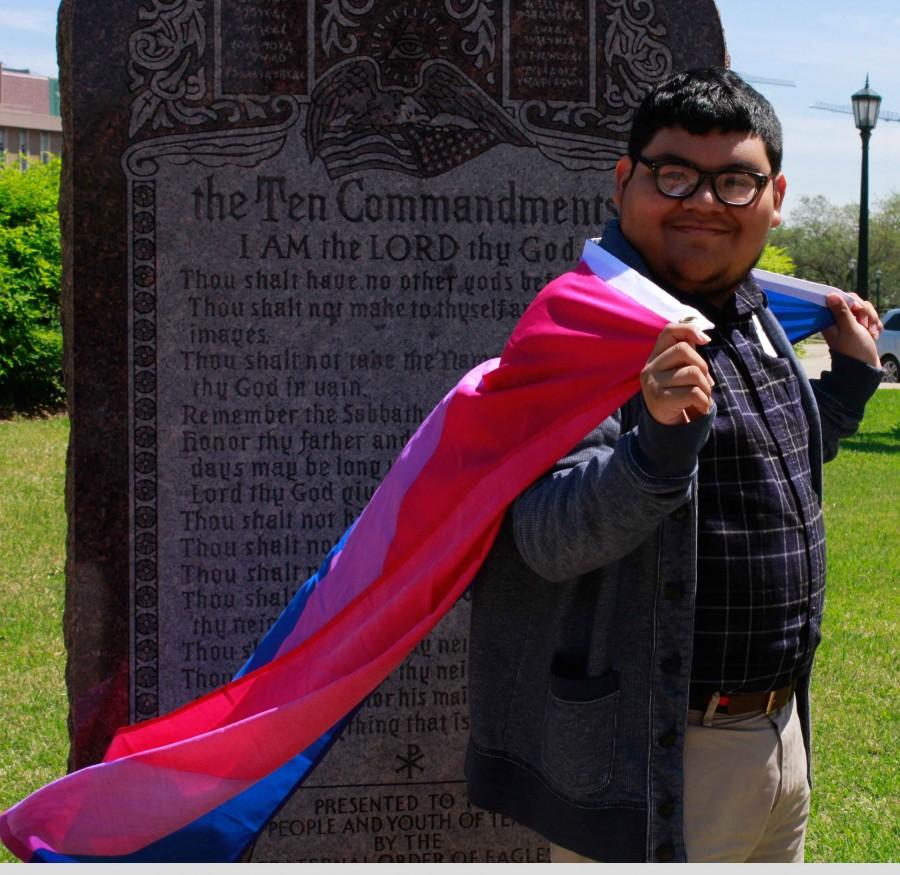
(442, 121)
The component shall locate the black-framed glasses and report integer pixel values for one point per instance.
(735, 188)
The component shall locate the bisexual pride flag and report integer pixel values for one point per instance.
(198, 784)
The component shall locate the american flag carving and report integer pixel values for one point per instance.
(356, 124)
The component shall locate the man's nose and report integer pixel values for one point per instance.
(704, 198)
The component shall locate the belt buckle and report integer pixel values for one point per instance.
(770, 702)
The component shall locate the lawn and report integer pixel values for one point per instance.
(33, 737)
(855, 688)
(855, 810)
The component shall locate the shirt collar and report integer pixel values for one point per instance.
(616, 244)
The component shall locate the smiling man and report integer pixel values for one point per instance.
(643, 631)
(700, 240)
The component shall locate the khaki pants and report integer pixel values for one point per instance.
(745, 793)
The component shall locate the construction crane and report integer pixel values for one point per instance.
(765, 80)
(883, 115)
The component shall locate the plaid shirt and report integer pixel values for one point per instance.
(761, 539)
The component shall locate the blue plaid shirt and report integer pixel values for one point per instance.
(761, 539)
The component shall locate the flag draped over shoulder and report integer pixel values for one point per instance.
(199, 783)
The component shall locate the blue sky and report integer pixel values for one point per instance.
(826, 47)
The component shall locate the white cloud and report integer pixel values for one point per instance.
(28, 35)
(823, 156)
(30, 20)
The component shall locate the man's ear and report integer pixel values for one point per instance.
(779, 184)
(624, 169)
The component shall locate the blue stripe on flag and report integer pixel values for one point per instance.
(799, 318)
(222, 834)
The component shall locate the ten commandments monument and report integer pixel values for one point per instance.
(291, 227)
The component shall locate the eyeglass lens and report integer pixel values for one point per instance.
(732, 186)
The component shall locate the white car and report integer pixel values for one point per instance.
(889, 346)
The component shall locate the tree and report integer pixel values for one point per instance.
(822, 240)
(777, 260)
(30, 272)
(884, 245)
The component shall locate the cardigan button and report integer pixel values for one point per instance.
(666, 809)
(673, 592)
(679, 514)
(667, 739)
(665, 853)
(671, 664)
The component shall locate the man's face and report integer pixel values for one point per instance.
(698, 245)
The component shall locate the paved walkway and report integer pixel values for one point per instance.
(818, 359)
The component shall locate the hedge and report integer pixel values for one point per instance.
(30, 271)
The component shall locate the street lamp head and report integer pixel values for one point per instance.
(866, 104)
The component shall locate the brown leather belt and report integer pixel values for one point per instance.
(743, 703)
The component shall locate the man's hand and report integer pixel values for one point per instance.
(856, 330)
(675, 382)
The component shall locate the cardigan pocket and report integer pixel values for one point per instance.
(579, 732)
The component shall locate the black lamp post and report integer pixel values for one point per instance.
(866, 104)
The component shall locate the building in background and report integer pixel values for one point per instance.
(30, 125)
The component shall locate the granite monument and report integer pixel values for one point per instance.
(290, 228)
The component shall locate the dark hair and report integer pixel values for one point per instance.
(701, 101)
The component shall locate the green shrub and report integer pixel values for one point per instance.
(30, 271)
(777, 260)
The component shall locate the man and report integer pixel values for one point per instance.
(644, 628)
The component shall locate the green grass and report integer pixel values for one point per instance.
(855, 682)
(855, 687)
(33, 738)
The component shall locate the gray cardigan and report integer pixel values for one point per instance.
(582, 622)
